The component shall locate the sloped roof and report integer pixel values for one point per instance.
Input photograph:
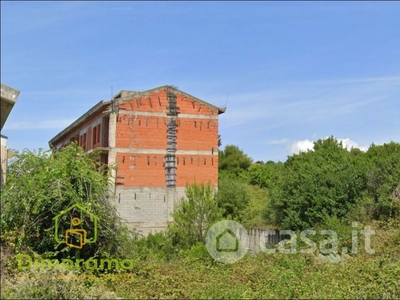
(172, 89)
(9, 96)
(127, 95)
(80, 120)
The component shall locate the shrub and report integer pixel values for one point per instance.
(41, 185)
(52, 284)
(194, 215)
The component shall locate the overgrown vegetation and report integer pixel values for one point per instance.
(326, 188)
(332, 181)
(194, 215)
(195, 276)
(40, 186)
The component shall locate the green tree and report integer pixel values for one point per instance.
(194, 215)
(233, 197)
(383, 178)
(233, 160)
(264, 175)
(326, 181)
(41, 185)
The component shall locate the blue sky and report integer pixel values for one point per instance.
(290, 72)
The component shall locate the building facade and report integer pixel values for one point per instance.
(9, 97)
(4, 158)
(160, 140)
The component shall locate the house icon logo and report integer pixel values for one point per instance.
(75, 226)
(227, 241)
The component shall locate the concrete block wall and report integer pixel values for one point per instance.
(147, 209)
(260, 239)
(142, 205)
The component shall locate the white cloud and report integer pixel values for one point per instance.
(301, 146)
(51, 124)
(348, 144)
(305, 145)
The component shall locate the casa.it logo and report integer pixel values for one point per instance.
(227, 241)
(75, 226)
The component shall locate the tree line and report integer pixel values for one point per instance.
(310, 186)
(308, 189)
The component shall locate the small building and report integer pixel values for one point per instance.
(9, 97)
(160, 139)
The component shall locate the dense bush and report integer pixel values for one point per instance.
(273, 276)
(41, 185)
(194, 215)
(332, 181)
(52, 284)
(233, 197)
(383, 179)
(233, 160)
(264, 175)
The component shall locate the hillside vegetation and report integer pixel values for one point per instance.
(328, 188)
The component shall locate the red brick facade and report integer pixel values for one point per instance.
(160, 140)
(141, 141)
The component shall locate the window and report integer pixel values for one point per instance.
(82, 141)
(96, 135)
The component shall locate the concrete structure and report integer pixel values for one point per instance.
(160, 140)
(4, 157)
(9, 97)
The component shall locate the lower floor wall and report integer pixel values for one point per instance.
(260, 239)
(147, 209)
(3, 158)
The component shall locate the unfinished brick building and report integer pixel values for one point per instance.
(160, 140)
